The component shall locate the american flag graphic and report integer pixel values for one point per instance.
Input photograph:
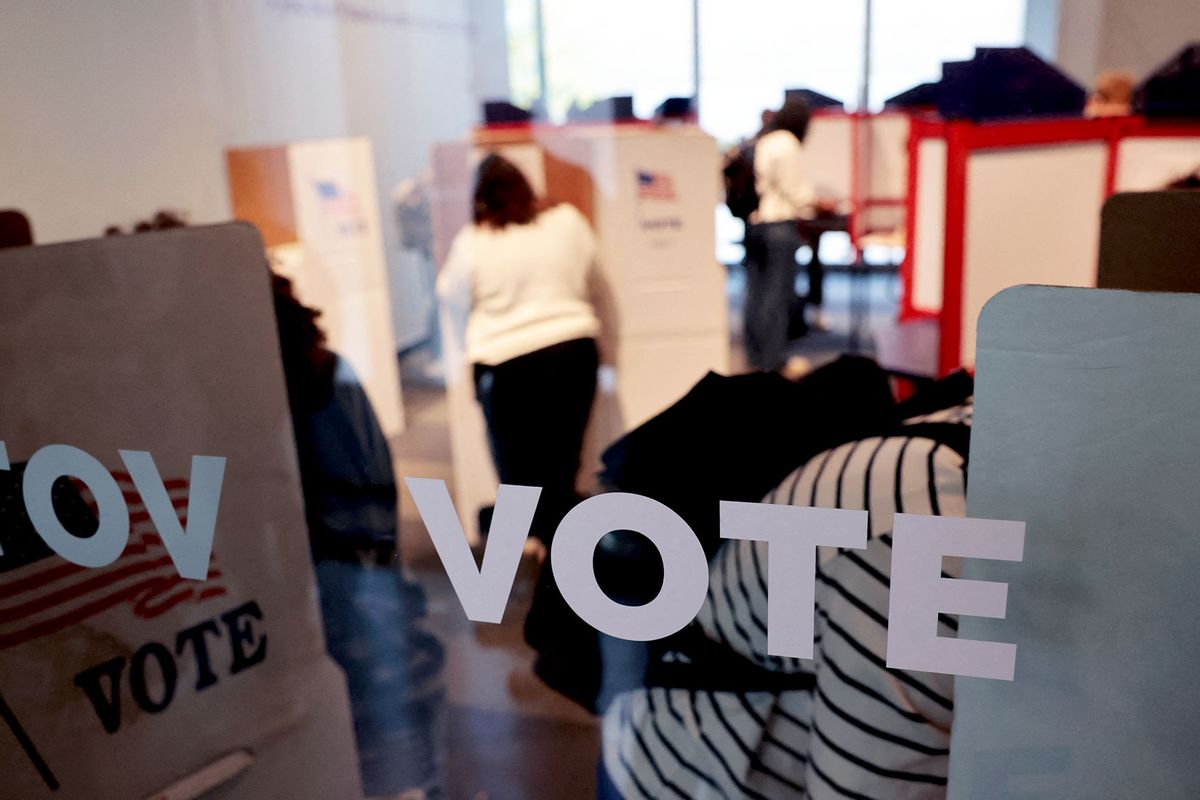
(341, 209)
(654, 186)
(337, 201)
(44, 593)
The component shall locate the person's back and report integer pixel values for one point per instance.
(785, 191)
(785, 195)
(528, 284)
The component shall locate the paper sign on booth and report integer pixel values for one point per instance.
(187, 630)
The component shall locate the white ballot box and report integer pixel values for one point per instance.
(315, 203)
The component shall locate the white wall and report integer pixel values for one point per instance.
(108, 115)
(1041, 27)
(1141, 34)
(113, 110)
(490, 40)
(1092, 35)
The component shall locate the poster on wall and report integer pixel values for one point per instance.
(159, 633)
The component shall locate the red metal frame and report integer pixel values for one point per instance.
(958, 148)
(858, 201)
(962, 139)
(919, 128)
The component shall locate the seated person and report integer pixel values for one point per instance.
(848, 726)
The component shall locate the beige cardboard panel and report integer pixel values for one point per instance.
(164, 342)
(927, 250)
(325, 189)
(887, 157)
(665, 368)
(1032, 215)
(830, 150)
(1149, 163)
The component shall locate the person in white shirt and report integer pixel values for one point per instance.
(785, 194)
(525, 271)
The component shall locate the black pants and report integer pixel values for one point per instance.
(537, 408)
(770, 291)
(816, 273)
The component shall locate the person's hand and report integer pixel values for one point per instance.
(826, 205)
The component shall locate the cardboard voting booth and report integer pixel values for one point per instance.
(315, 203)
(1085, 429)
(650, 194)
(125, 679)
(994, 205)
(861, 161)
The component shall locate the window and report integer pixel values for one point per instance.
(911, 38)
(600, 50)
(750, 52)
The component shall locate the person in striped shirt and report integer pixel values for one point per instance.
(850, 727)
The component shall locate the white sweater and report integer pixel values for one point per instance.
(526, 286)
(781, 175)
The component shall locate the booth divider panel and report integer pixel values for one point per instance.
(1032, 215)
(1149, 163)
(928, 242)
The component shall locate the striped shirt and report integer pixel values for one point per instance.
(863, 731)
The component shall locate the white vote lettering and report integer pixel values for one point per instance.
(685, 570)
(792, 534)
(482, 591)
(918, 592)
(190, 548)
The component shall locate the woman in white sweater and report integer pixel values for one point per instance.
(527, 270)
(786, 194)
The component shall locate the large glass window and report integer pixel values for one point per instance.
(750, 52)
(599, 50)
(911, 38)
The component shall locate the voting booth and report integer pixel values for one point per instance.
(650, 194)
(993, 205)
(315, 203)
(861, 159)
(150, 366)
(1083, 416)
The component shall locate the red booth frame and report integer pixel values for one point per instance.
(962, 139)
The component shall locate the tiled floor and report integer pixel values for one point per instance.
(500, 733)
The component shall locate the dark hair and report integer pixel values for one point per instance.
(163, 220)
(793, 117)
(308, 365)
(1191, 181)
(502, 194)
(15, 230)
